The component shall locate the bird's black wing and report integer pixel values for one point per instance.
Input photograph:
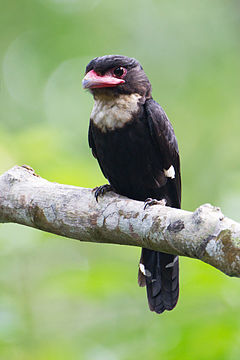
(160, 271)
(92, 145)
(165, 142)
(91, 140)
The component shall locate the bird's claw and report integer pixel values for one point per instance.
(150, 202)
(101, 190)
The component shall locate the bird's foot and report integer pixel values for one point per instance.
(101, 190)
(151, 202)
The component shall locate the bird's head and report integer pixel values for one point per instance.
(114, 75)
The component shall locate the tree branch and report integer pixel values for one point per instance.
(70, 211)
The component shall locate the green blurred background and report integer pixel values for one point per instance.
(61, 299)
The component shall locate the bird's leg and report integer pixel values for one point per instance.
(102, 190)
(150, 202)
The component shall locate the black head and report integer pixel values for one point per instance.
(114, 75)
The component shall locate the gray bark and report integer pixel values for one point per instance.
(70, 211)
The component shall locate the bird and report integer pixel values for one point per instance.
(136, 148)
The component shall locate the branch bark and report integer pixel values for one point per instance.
(70, 211)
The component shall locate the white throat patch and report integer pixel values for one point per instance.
(112, 113)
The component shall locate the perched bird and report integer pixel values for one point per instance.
(136, 148)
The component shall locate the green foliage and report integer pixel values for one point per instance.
(63, 300)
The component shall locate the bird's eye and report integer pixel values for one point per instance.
(119, 71)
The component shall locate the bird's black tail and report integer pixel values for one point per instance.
(160, 273)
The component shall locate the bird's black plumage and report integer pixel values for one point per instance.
(135, 145)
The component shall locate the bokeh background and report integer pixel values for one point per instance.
(61, 299)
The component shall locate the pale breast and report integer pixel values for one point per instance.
(112, 113)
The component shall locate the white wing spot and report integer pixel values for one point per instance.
(171, 264)
(170, 172)
(145, 272)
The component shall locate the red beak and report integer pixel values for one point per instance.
(92, 80)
